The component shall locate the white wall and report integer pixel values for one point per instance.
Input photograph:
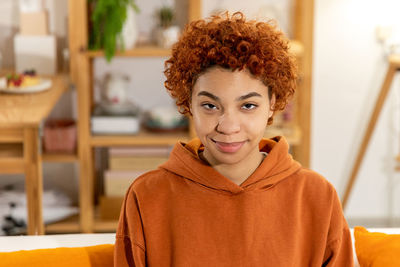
(279, 10)
(349, 68)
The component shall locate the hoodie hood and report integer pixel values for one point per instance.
(184, 161)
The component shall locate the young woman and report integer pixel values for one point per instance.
(231, 197)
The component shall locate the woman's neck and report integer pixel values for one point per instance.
(239, 172)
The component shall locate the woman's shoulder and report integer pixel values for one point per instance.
(314, 182)
(314, 192)
(150, 181)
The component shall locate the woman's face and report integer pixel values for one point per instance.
(230, 112)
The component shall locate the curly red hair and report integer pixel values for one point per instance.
(231, 42)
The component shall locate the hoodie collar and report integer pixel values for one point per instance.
(278, 165)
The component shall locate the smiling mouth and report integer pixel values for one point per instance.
(228, 147)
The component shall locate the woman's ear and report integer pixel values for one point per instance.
(271, 106)
(190, 107)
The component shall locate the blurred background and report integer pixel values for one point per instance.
(349, 50)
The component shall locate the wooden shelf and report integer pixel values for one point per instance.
(53, 157)
(71, 225)
(292, 133)
(12, 150)
(105, 226)
(142, 138)
(12, 165)
(153, 51)
(296, 48)
(11, 158)
(140, 51)
(101, 225)
(15, 135)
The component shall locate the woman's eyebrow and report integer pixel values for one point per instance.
(205, 93)
(243, 97)
(216, 98)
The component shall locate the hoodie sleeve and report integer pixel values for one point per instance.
(129, 244)
(339, 249)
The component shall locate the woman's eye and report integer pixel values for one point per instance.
(249, 106)
(208, 106)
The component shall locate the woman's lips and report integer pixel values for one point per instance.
(228, 147)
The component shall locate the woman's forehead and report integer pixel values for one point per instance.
(221, 80)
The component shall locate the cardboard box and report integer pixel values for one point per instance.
(34, 23)
(117, 182)
(110, 207)
(36, 52)
(140, 151)
(135, 163)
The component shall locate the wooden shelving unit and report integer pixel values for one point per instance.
(292, 133)
(140, 51)
(81, 66)
(69, 225)
(143, 138)
(72, 225)
(105, 226)
(47, 157)
(11, 156)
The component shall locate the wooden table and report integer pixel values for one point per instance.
(20, 144)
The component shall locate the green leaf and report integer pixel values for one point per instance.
(108, 18)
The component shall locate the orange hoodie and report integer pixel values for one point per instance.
(187, 214)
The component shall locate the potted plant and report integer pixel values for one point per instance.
(165, 15)
(113, 25)
(167, 33)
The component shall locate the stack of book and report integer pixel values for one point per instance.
(125, 165)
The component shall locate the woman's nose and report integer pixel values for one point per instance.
(228, 123)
